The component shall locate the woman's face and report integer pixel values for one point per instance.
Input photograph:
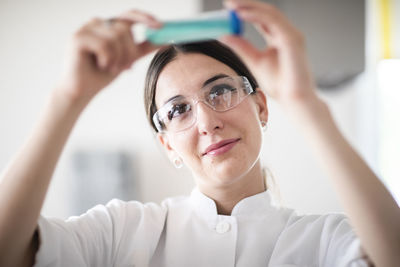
(239, 126)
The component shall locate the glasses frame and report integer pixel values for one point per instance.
(199, 97)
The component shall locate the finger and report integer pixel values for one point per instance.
(133, 16)
(271, 23)
(130, 53)
(90, 43)
(110, 39)
(257, 5)
(268, 25)
(107, 36)
(135, 50)
(246, 51)
(124, 39)
(120, 35)
(132, 50)
(265, 33)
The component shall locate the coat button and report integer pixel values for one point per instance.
(223, 227)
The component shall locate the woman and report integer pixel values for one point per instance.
(196, 98)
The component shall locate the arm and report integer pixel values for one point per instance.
(99, 53)
(282, 70)
(26, 180)
(369, 205)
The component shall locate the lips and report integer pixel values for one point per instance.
(221, 147)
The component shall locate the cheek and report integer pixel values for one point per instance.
(185, 144)
(246, 117)
(189, 151)
(249, 123)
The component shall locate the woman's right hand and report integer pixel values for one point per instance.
(99, 51)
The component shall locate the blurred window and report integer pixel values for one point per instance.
(389, 124)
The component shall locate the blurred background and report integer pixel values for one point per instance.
(354, 48)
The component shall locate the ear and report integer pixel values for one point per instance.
(164, 141)
(262, 108)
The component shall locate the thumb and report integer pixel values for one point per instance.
(243, 48)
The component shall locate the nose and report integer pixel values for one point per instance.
(208, 120)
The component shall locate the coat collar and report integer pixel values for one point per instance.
(255, 205)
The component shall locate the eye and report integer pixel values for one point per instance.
(221, 89)
(177, 110)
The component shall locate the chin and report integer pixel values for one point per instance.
(229, 172)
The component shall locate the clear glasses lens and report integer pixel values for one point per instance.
(220, 95)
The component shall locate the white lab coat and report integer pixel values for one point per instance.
(187, 231)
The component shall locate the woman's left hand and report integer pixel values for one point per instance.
(282, 68)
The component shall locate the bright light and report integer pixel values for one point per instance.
(389, 124)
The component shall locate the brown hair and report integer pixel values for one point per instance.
(167, 54)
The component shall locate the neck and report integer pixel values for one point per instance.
(226, 196)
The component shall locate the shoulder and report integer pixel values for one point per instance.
(115, 213)
(175, 202)
(118, 211)
(304, 224)
(326, 240)
(317, 221)
(318, 229)
(119, 230)
(132, 210)
(141, 214)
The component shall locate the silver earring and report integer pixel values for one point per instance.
(178, 162)
(264, 126)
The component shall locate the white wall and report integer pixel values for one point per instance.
(33, 37)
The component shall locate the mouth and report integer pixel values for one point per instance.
(221, 147)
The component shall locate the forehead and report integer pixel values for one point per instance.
(186, 74)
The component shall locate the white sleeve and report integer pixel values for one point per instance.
(315, 240)
(341, 245)
(118, 234)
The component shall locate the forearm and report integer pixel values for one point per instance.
(369, 205)
(25, 181)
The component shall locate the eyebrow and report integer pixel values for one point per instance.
(213, 78)
(172, 98)
(208, 81)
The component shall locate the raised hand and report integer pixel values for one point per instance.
(100, 50)
(282, 70)
(282, 67)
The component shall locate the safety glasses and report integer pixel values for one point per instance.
(220, 95)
